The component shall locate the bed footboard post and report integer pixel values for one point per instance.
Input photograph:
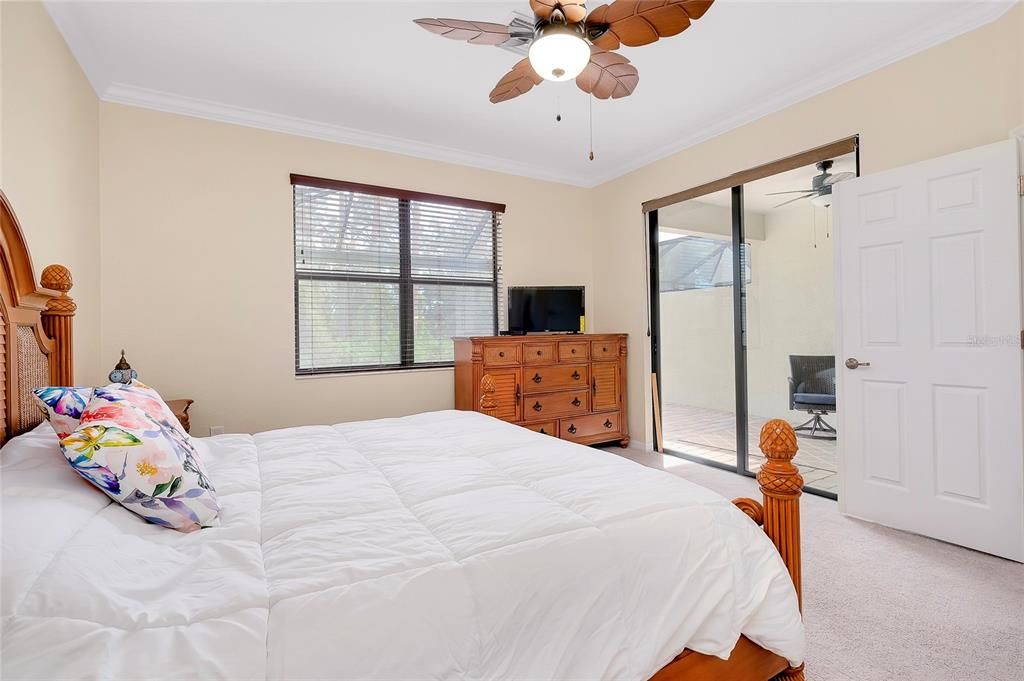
(56, 319)
(782, 484)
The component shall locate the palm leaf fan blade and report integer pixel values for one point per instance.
(635, 23)
(520, 80)
(608, 75)
(475, 32)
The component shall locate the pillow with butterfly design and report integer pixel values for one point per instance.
(62, 407)
(130, 445)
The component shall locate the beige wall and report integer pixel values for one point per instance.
(49, 161)
(198, 270)
(963, 93)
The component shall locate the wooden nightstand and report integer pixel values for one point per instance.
(180, 409)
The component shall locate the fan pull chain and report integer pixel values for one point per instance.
(558, 110)
(590, 99)
(815, 214)
(828, 224)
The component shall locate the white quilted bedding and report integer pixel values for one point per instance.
(440, 546)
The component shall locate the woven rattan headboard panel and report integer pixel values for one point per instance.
(35, 328)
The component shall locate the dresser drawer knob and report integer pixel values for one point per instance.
(537, 378)
(608, 423)
(576, 402)
(540, 352)
(575, 375)
(573, 351)
(542, 431)
(604, 349)
(572, 429)
(537, 406)
(501, 354)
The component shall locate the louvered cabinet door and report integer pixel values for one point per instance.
(605, 385)
(500, 394)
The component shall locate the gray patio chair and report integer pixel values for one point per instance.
(812, 388)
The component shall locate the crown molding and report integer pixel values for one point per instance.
(974, 16)
(120, 93)
(971, 15)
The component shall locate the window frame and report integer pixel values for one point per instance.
(405, 279)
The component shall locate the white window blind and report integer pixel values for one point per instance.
(686, 263)
(385, 278)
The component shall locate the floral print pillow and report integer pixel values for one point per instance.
(63, 407)
(130, 445)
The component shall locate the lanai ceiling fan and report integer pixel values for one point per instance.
(566, 42)
(820, 192)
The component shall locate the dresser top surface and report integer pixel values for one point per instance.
(542, 336)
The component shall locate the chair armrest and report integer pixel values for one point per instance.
(792, 392)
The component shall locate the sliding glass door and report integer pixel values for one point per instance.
(742, 320)
(694, 244)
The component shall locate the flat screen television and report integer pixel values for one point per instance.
(557, 309)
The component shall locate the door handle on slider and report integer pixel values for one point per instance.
(853, 363)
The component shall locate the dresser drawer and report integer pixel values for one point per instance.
(543, 427)
(556, 404)
(539, 353)
(571, 351)
(604, 349)
(501, 355)
(586, 427)
(558, 377)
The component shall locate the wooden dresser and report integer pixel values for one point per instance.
(567, 386)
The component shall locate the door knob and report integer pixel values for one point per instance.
(853, 363)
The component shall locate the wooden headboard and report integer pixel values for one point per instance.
(35, 329)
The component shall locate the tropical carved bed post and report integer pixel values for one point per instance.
(781, 484)
(56, 320)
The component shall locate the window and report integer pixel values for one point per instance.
(694, 262)
(384, 278)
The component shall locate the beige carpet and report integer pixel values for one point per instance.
(881, 604)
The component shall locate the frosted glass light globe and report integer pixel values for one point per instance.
(559, 56)
(822, 200)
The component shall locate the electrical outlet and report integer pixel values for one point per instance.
(216, 430)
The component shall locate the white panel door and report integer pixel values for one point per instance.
(930, 359)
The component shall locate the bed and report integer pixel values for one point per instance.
(446, 545)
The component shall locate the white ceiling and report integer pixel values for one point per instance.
(363, 73)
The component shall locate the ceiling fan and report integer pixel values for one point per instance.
(820, 192)
(567, 42)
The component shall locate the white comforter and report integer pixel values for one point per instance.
(440, 546)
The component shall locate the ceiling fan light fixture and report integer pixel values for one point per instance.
(822, 200)
(559, 52)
